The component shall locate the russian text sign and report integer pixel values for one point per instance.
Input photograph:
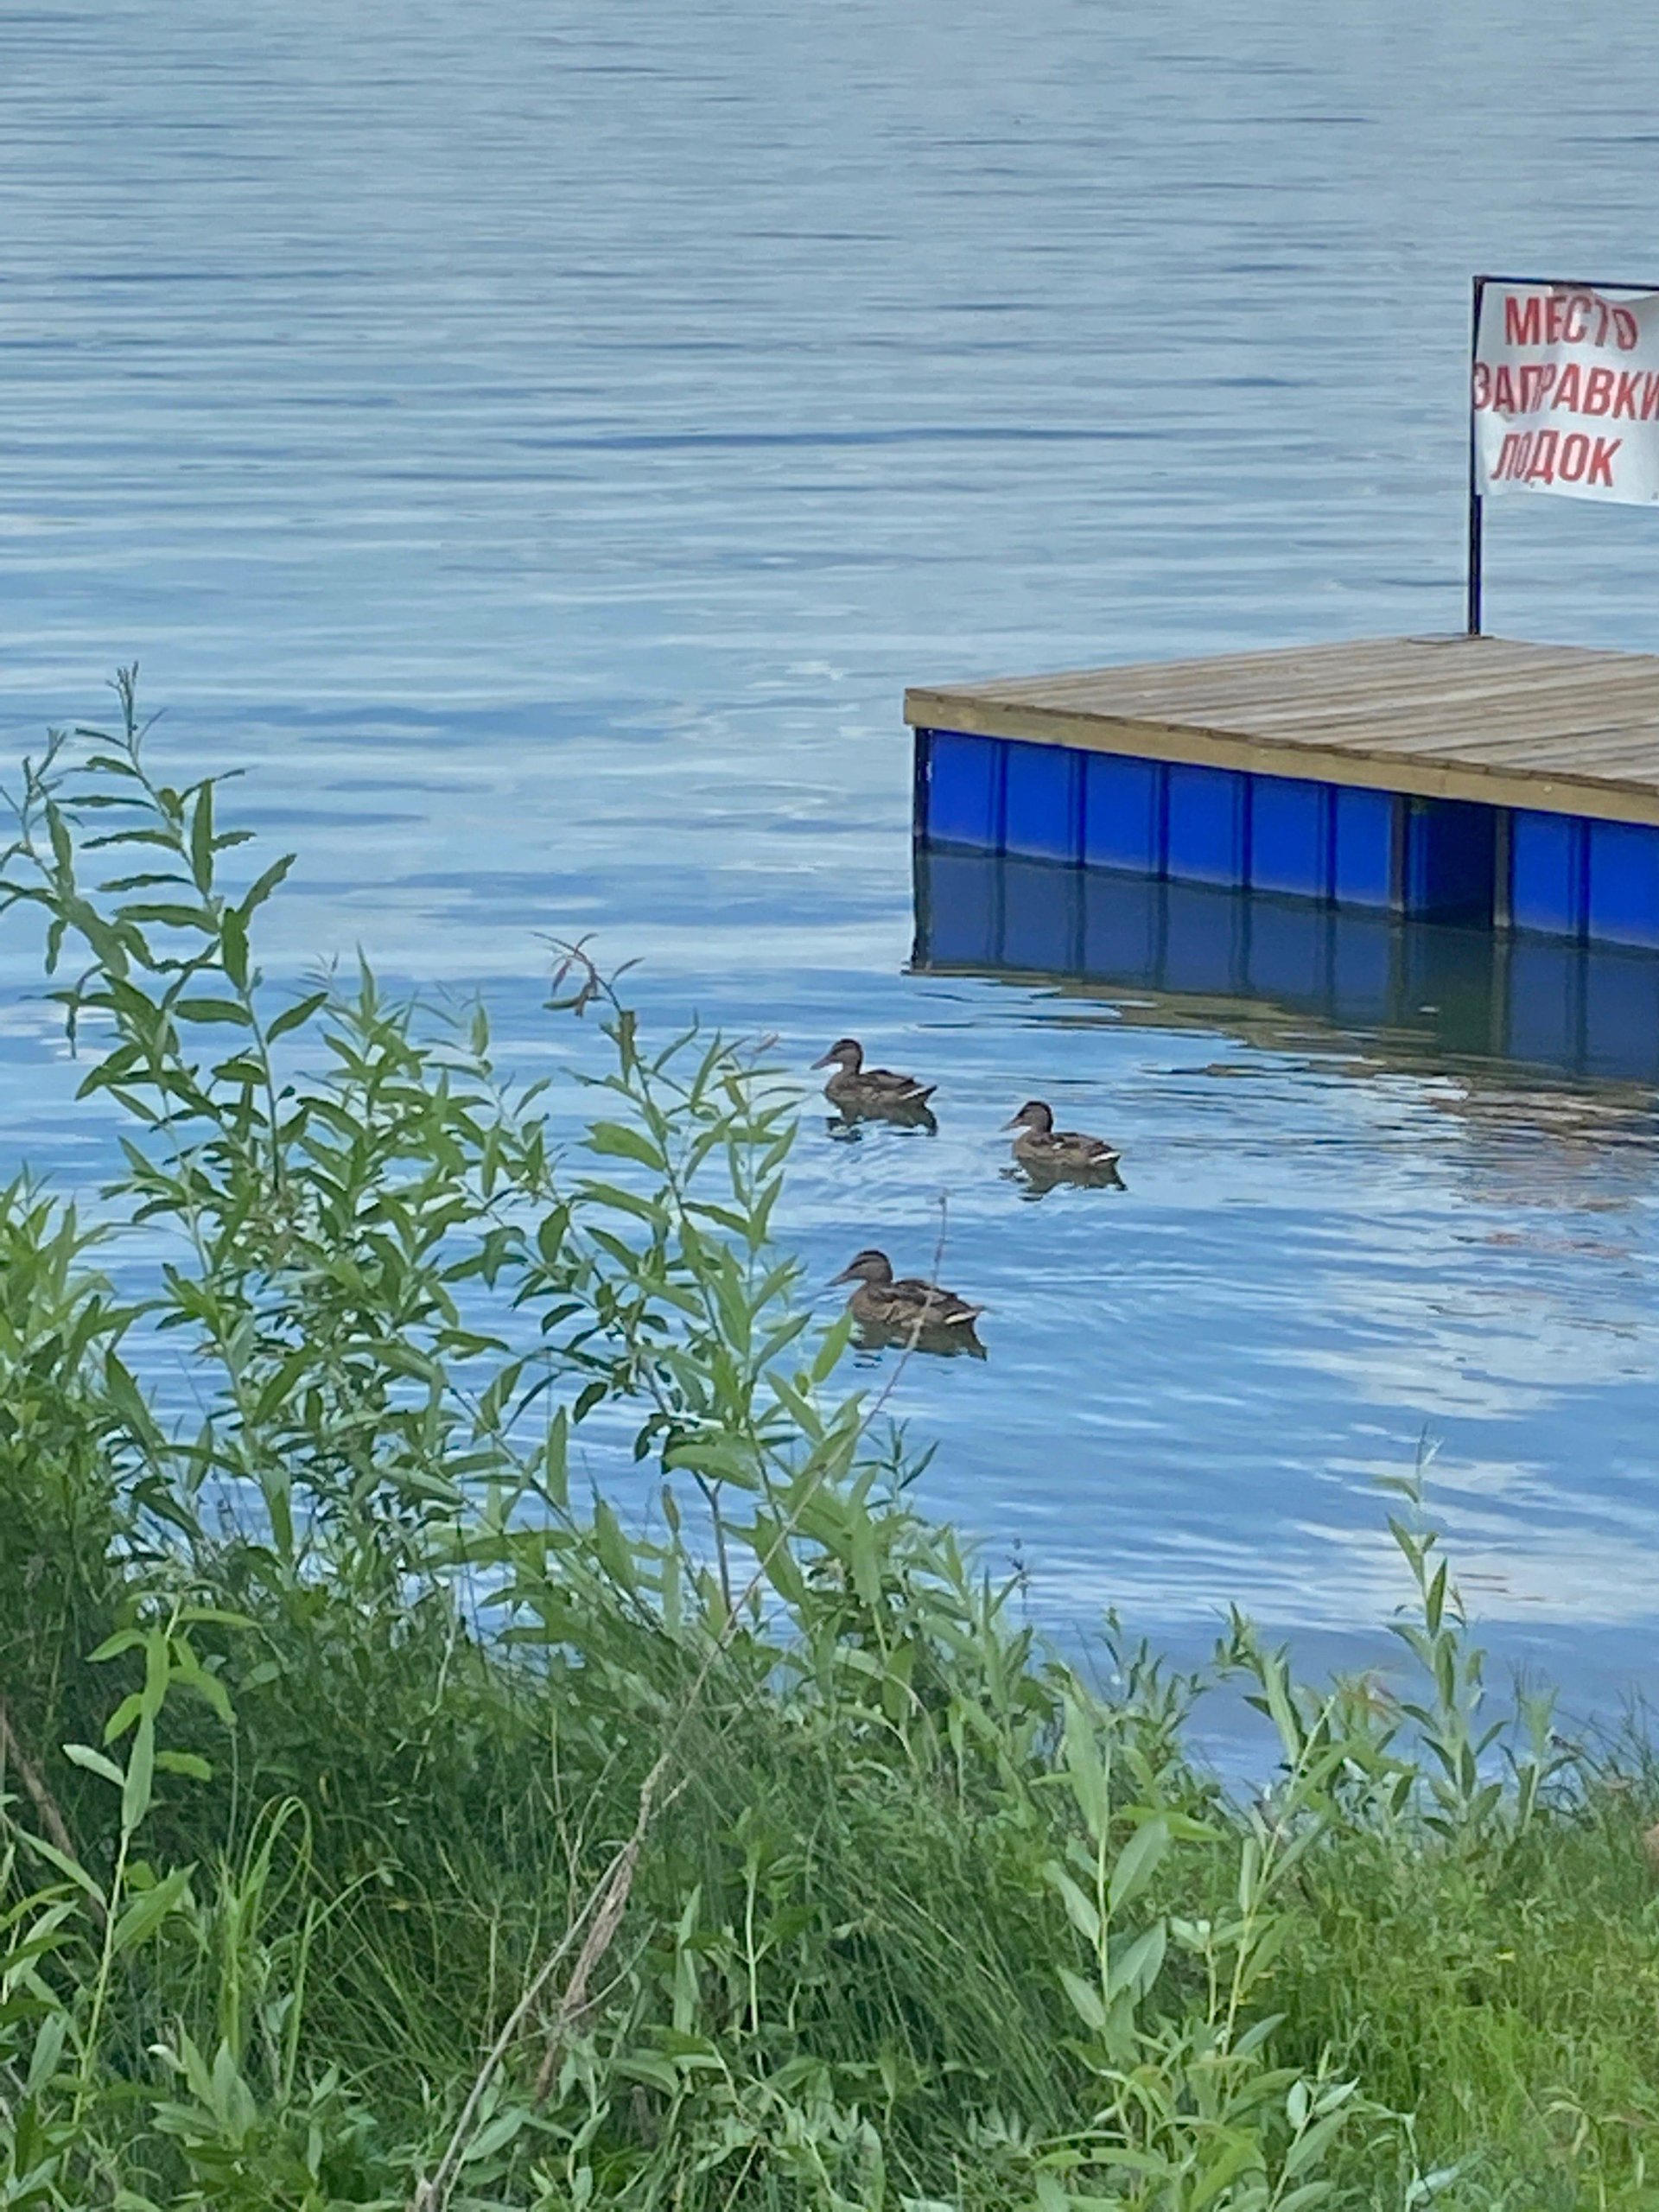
(1567, 392)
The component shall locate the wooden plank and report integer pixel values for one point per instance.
(1226, 664)
(1566, 729)
(1325, 668)
(1287, 681)
(1342, 692)
(1294, 672)
(1545, 721)
(1548, 717)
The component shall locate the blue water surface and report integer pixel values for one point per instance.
(540, 443)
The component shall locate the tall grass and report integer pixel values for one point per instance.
(384, 1823)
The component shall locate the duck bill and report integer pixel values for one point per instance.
(828, 1060)
(846, 1275)
(1017, 1122)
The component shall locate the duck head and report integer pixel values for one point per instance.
(871, 1267)
(1033, 1115)
(846, 1052)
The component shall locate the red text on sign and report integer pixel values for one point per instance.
(1567, 318)
(1629, 394)
(1548, 456)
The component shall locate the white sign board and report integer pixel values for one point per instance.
(1567, 392)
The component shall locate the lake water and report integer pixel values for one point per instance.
(541, 443)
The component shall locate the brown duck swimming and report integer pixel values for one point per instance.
(905, 1309)
(1052, 1155)
(858, 1089)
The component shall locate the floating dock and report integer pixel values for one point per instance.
(1465, 779)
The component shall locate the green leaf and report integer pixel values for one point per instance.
(296, 1016)
(1121, 2159)
(136, 1784)
(1230, 2156)
(1249, 1872)
(124, 1639)
(212, 1010)
(1086, 1769)
(1434, 1599)
(149, 1908)
(169, 915)
(201, 839)
(495, 2134)
(48, 2050)
(770, 1543)
(187, 1763)
(589, 1395)
(151, 880)
(1304, 2199)
(620, 1201)
(616, 1138)
(1085, 1997)
(234, 940)
(258, 891)
(611, 1547)
(128, 1399)
(1137, 1862)
(123, 1718)
(645, 2066)
(555, 1455)
(1285, 1718)
(58, 830)
(1138, 1967)
(1310, 2146)
(830, 1352)
(242, 1069)
(69, 1868)
(1080, 1908)
(867, 1571)
(94, 1762)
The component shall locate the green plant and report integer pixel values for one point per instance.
(386, 1818)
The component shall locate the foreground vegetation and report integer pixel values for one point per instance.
(386, 1823)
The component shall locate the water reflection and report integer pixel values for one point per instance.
(1278, 970)
(849, 1125)
(1038, 1182)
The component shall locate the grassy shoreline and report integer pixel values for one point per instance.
(418, 1836)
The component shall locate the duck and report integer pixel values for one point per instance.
(858, 1089)
(1042, 1150)
(903, 1307)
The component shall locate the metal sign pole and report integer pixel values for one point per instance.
(1473, 618)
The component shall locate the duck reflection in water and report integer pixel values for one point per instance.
(906, 1313)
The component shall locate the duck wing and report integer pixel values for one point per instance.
(1074, 1144)
(883, 1083)
(923, 1305)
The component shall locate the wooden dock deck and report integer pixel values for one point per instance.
(1565, 728)
(1463, 778)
